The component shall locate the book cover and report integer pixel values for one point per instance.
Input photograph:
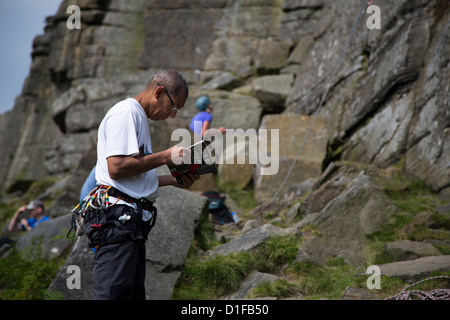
(201, 162)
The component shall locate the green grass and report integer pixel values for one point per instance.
(275, 253)
(212, 278)
(417, 197)
(280, 288)
(222, 275)
(329, 281)
(204, 236)
(27, 278)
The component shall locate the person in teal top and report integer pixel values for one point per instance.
(36, 211)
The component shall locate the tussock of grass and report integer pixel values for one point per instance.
(280, 288)
(215, 277)
(276, 253)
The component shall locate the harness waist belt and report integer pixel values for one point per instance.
(113, 192)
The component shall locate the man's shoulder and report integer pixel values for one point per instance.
(125, 105)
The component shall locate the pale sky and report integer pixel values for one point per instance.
(20, 22)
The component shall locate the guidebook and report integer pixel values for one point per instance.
(201, 162)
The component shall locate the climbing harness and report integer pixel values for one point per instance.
(435, 294)
(90, 217)
(331, 73)
(96, 199)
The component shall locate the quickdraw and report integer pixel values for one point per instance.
(96, 199)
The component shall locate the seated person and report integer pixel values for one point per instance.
(36, 211)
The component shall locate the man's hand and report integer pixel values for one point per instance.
(188, 180)
(23, 208)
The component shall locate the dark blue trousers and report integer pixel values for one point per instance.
(119, 267)
(119, 271)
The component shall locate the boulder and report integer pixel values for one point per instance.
(299, 189)
(301, 49)
(272, 91)
(170, 240)
(251, 240)
(409, 250)
(231, 172)
(342, 226)
(271, 55)
(414, 270)
(252, 281)
(224, 81)
(352, 293)
(443, 209)
(292, 129)
(81, 258)
(48, 238)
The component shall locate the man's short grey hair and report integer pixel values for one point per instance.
(172, 80)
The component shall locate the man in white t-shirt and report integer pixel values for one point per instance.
(126, 167)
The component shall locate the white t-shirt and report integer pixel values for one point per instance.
(124, 131)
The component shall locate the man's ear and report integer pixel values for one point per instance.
(158, 92)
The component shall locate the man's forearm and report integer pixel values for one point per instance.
(13, 224)
(167, 180)
(125, 166)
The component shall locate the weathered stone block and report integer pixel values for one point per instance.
(292, 130)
